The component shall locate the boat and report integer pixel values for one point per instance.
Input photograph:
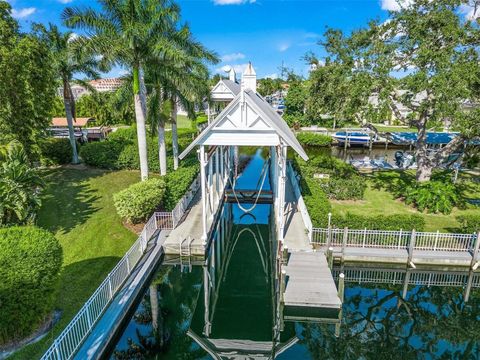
(353, 138)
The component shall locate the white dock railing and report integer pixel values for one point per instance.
(68, 342)
(385, 239)
(298, 195)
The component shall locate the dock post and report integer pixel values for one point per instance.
(473, 264)
(330, 257)
(466, 295)
(410, 249)
(405, 284)
(283, 283)
(329, 231)
(344, 243)
(285, 255)
(341, 291)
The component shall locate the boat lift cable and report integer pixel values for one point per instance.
(263, 176)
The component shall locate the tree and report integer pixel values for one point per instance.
(269, 86)
(126, 32)
(295, 103)
(27, 81)
(423, 59)
(70, 59)
(106, 108)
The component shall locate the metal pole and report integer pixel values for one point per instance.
(405, 284)
(469, 286)
(344, 243)
(473, 264)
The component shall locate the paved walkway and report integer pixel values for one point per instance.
(296, 236)
(105, 329)
(190, 226)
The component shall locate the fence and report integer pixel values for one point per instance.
(385, 239)
(68, 342)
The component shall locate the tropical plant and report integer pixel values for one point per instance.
(129, 33)
(433, 196)
(19, 187)
(70, 60)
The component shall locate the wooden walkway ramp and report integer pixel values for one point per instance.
(310, 290)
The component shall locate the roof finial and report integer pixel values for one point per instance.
(249, 78)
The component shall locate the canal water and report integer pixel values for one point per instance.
(227, 307)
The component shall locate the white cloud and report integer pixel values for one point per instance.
(469, 11)
(272, 76)
(233, 2)
(23, 13)
(233, 57)
(283, 47)
(395, 5)
(65, 1)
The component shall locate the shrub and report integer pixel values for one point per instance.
(103, 154)
(312, 139)
(379, 222)
(433, 196)
(351, 188)
(137, 202)
(469, 223)
(55, 152)
(177, 183)
(30, 260)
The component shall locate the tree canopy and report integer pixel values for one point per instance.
(421, 65)
(28, 83)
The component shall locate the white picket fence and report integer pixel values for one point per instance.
(67, 343)
(384, 239)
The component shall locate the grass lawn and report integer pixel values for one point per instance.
(183, 122)
(78, 209)
(380, 201)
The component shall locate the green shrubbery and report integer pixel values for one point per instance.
(120, 151)
(312, 139)
(31, 260)
(469, 223)
(379, 222)
(433, 196)
(55, 152)
(177, 183)
(344, 182)
(137, 202)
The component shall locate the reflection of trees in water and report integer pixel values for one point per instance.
(166, 316)
(378, 324)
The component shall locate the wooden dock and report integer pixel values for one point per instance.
(310, 288)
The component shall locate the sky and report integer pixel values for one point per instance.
(268, 33)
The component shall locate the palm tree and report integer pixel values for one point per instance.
(70, 59)
(124, 33)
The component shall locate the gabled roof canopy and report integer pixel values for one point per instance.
(225, 90)
(247, 121)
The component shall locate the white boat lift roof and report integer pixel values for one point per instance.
(248, 120)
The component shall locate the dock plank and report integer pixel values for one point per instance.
(310, 282)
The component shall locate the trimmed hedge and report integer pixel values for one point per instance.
(31, 259)
(351, 188)
(55, 152)
(469, 223)
(312, 139)
(177, 183)
(393, 222)
(137, 202)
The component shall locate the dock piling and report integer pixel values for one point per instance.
(410, 249)
(341, 291)
(330, 257)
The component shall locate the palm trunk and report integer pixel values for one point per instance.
(140, 116)
(67, 100)
(162, 148)
(174, 135)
